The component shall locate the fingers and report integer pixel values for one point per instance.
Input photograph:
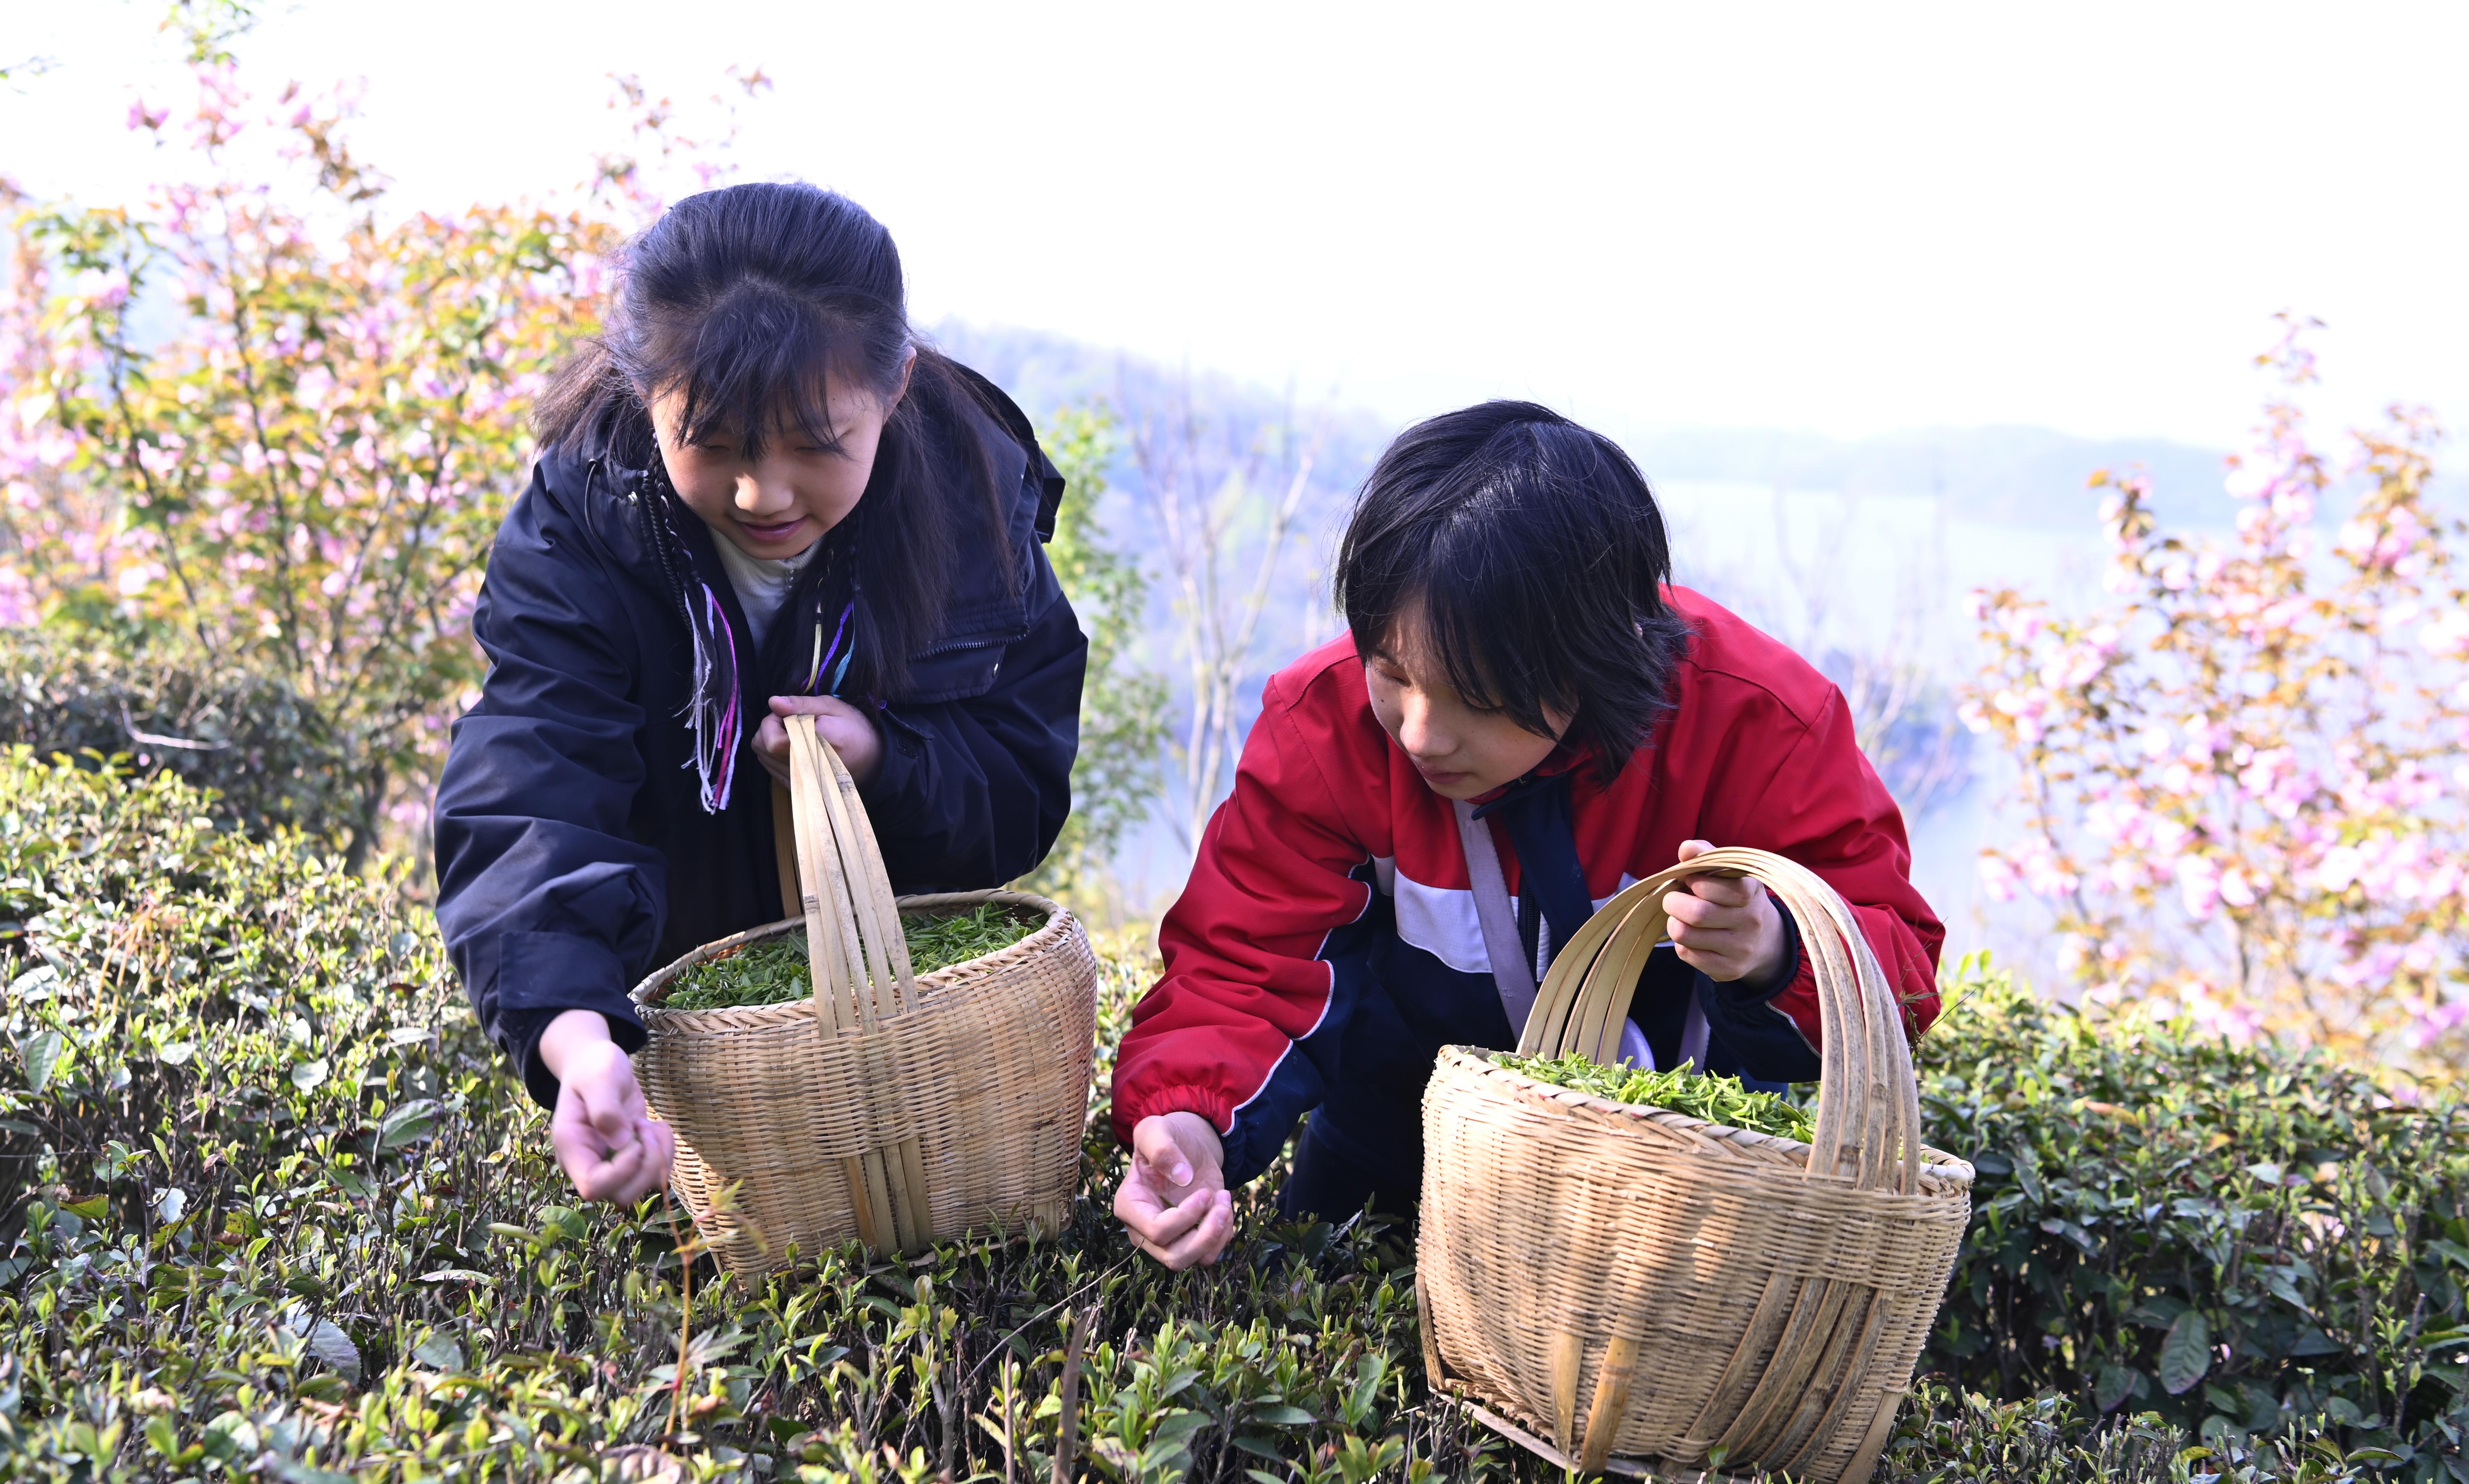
(1206, 1241)
(1725, 927)
(811, 706)
(1155, 1214)
(1209, 1223)
(602, 1134)
(1154, 1145)
(632, 1166)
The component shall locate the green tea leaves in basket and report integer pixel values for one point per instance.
(773, 971)
(1717, 1100)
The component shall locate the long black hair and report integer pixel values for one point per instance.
(743, 301)
(1539, 557)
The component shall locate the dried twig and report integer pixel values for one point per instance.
(1066, 1440)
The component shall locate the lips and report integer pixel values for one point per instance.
(765, 534)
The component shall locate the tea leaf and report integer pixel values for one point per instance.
(1716, 1099)
(41, 1054)
(2185, 1353)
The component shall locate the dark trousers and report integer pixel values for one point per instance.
(1327, 1185)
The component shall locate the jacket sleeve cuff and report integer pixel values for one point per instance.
(1792, 966)
(542, 975)
(1171, 1098)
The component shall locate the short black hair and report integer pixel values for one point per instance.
(1539, 558)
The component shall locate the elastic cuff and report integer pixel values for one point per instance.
(1182, 1098)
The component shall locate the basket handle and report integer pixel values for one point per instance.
(856, 955)
(1868, 1106)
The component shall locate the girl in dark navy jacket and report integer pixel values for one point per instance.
(1525, 718)
(758, 496)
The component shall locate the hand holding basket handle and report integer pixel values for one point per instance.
(1870, 1100)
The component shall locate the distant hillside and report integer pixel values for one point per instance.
(2027, 476)
(2021, 476)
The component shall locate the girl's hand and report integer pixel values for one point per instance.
(1173, 1198)
(1727, 929)
(849, 730)
(606, 1140)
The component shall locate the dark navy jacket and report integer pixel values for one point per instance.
(573, 855)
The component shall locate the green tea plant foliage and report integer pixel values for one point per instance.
(2233, 1237)
(773, 971)
(246, 733)
(285, 1216)
(1717, 1100)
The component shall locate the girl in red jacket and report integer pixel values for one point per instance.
(1525, 719)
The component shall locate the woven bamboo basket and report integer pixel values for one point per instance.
(898, 1110)
(1630, 1287)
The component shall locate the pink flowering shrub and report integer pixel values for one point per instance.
(302, 468)
(2242, 785)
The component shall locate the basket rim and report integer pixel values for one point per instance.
(1943, 1167)
(1058, 924)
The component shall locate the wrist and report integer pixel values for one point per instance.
(568, 1034)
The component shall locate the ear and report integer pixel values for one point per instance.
(907, 367)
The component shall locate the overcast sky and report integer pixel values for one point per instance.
(1845, 220)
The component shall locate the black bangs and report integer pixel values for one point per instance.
(1538, 557)
(759, 364)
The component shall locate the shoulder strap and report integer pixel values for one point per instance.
(1510, 973)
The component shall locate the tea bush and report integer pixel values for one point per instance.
(2231, 1238)
(244, 734)
(286, 1217)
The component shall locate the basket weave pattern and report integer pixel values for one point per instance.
(1635, 1284)
(897, 1111)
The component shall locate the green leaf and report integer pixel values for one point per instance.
(2116, 1384)
(2027, 1174)
(41, 1054)
(173, 1054)
(2185, 1353)
(309, 1075)
(1283, 1416)
(328, 1342)
(90, 1209)
(455, 1275)
(409, 1124)
(441, 1350)
(2287, 1292)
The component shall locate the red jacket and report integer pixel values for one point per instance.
(1327, 944)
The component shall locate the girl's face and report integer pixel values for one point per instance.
(1462, 751)
(782, 503)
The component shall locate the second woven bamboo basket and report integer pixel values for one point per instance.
(1630, 1287)
(887, 1109)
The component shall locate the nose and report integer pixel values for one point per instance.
(1419, 731)
(764, 489)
